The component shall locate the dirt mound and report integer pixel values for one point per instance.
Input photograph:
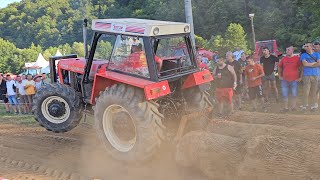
(224, 157)
(246, 131)
(301, 122)
(255, 146)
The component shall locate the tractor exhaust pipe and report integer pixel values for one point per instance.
(84, 31)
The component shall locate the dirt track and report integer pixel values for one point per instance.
(30, 152)
(255, 146)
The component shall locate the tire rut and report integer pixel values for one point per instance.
(37, 169)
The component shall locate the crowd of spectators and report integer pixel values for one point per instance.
(17, 94)
(238, 76)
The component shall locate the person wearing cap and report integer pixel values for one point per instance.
(311, 63)
(268, 62)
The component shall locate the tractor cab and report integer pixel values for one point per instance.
(143, 48)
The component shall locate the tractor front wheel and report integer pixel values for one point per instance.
(57, 107)
(128, 125)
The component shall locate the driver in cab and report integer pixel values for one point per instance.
(138, 58)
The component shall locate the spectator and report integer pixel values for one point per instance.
(23, 101)
(3, 93)
(254, 73)
(201, 64)
(215, 57)
(243, 64)
(289, 75)
(237, 53)
(11, 93)
(38, 83)
(237, 68)
(311, 63)
(29, 86)
(44, 78)
(204, 59)
(316, 46)
(225, 79)
(23, 77)
(269, 62)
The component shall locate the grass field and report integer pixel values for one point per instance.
(16, 118)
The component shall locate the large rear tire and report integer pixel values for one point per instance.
(129, 126)
(57, 107)
(197, 100)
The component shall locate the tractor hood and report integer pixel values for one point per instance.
(78, 64)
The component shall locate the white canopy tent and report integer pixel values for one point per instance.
(40, 66)
(58, 53)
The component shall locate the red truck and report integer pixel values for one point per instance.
(272, 46)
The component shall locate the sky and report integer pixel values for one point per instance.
(4, 3)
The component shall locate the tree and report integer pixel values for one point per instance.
(236, 37)
(78, 48)
(8, 53)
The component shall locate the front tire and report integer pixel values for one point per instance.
(129, 126)
(57, 107)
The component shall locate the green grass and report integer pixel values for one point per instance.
(16, 118)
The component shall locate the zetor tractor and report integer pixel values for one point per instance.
(137, 90)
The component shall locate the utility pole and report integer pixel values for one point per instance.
(252, 28)
(189, 18)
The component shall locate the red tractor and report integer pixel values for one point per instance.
(136, 88)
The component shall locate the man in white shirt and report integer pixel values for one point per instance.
(11, 93)
(23, 101)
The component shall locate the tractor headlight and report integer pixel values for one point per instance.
(186, 28)
(156, 31)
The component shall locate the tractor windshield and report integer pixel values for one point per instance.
(104, 47)
(174, 54)
(129, 56)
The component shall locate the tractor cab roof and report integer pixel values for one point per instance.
(139, 27)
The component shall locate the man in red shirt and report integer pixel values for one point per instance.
(289, 68)
(254, 73)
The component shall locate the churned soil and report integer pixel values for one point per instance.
(250, 145)
(28, 151)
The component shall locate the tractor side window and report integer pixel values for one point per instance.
(129, 56)
(174, 54)
(104, 47)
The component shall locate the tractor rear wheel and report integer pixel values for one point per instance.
(197, 100)
(57, 107)
(128, 125)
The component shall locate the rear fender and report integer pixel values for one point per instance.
(152, 90)
(100, 84)
(197, 79)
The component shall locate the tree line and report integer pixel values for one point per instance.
(33, 25)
